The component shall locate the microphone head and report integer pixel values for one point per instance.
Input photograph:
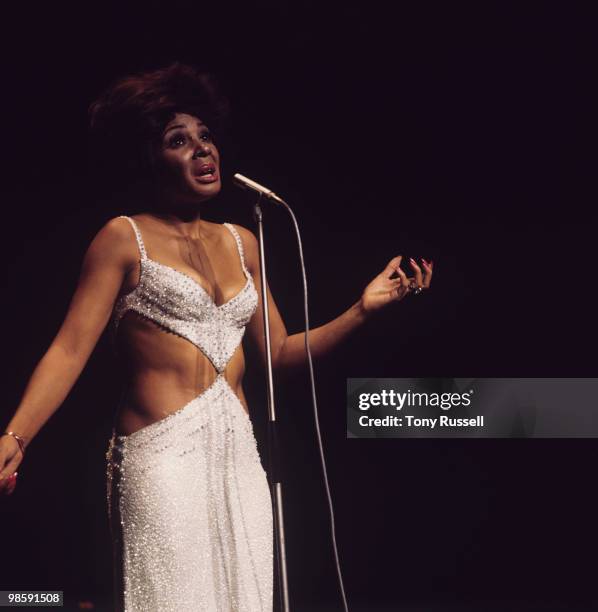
(241, 181)
(246, 183)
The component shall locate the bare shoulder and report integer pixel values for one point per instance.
(247, 236)
(250, 246)
(115, 240)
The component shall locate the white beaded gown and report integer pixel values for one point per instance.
(188, 499)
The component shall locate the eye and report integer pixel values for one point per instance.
(206, 135)
(176, 140)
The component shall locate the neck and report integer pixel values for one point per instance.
(185, 217)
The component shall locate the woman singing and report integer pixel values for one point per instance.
(188, 499)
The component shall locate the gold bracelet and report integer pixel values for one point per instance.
(19, 439)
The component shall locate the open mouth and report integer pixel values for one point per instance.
(206, 174)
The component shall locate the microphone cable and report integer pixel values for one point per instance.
(281, 202)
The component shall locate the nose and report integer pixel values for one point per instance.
(201, 150)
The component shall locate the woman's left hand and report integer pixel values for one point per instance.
(383, 290)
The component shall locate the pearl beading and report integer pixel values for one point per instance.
(179, 304)
(188, 499)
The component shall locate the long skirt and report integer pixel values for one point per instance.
(190, 511)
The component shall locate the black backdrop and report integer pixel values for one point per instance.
(456, 131)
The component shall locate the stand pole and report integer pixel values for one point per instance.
(273, 449)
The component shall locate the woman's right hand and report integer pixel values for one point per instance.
(10, 458)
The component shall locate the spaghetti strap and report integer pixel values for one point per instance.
(137, 235)
(234, 232)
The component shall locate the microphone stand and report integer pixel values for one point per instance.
(273, 449)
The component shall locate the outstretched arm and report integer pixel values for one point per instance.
(108, 257)
(289, 351)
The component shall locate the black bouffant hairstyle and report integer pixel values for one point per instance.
(128, 119)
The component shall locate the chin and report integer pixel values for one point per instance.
(201, 195)
(209, 190)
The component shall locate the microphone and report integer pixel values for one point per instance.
(245, 183)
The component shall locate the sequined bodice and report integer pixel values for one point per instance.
(177, 302)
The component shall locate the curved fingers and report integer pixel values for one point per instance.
(392, 266)
(419, 279)
(428, 267)
(403, 284)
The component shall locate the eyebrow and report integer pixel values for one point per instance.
(172, 127)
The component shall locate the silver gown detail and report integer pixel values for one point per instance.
(188, 499)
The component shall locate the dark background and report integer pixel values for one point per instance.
(456, 131)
